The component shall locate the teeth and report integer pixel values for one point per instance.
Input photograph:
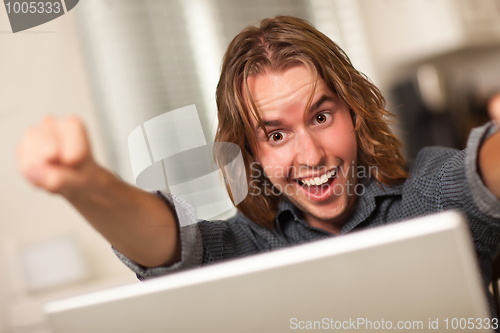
(320, 180)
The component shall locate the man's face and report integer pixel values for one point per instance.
(306, 145)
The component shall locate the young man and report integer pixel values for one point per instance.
(320, 161)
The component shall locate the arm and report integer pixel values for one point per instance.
(56, 156)
(489, 154)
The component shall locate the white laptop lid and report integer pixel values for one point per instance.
(406, 274)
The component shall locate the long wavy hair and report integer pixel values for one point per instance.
(275, 45)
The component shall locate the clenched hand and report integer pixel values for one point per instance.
(55, 155)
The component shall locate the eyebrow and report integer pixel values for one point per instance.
(320, 101)
(312, 108)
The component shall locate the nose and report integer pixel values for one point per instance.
(309, 151)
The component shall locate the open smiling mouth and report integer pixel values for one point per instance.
(318, 186)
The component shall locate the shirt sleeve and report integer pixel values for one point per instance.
(191, 241)
(462, 188)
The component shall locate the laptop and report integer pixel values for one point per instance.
(420, 274)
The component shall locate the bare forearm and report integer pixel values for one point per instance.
(135, 222)
(489, 163)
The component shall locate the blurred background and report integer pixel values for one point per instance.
(117, 64)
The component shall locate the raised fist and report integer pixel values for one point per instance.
(55, 155)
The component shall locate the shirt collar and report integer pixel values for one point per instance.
(366, 202)
(287, 211)
(364, 208)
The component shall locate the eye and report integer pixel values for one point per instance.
(322, 118)
(276, 137)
